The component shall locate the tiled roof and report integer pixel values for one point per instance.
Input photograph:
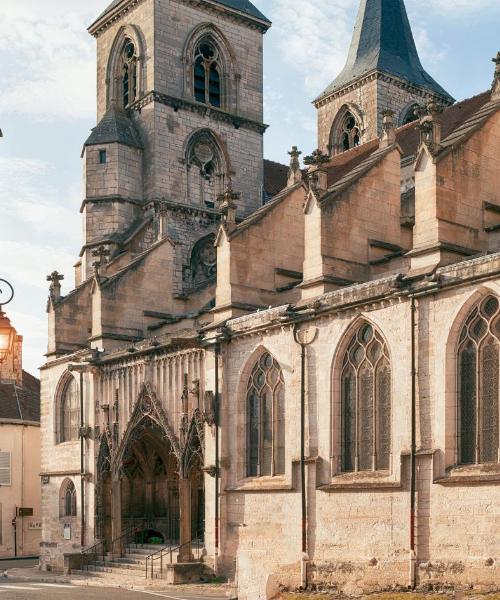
(383, 41)
(243, 6)
(115, 126)
(21, 403)
(275, 177)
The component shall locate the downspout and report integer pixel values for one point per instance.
(413, 457)
(216, 411)
(304, 555)
(82, 465)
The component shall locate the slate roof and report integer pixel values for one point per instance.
(243, 6)
(275, 177)
(115, 126)
(21, 403)
(383, 41)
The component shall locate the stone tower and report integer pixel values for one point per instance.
(180, 110)
(383, 72)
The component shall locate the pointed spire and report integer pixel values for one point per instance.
(383, 41)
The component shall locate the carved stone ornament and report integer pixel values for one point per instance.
(209, 408)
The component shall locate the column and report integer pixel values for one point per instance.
(185, 554)
(116, 509)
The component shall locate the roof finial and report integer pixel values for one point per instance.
(227, 206)
(317, 173)
(55, 279)
(429, 125)
(101, 253)
(495, 88)
(388, 129)
(294, 172)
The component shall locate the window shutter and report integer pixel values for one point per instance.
(5, 468)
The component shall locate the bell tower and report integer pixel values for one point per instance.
(180, 118)
(383, 72)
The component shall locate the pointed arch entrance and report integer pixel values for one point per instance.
(152, 481)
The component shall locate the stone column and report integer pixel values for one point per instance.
(185, 554)
(116, 510)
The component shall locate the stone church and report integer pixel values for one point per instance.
(289, 375)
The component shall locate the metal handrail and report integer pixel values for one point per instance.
(160, 554)
(89, 555)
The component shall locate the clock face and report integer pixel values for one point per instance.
(6, 292)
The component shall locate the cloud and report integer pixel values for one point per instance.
(31, 202)
(48, 59)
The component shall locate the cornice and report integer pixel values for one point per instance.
(106, 20)
(202, 109)
(380, 76)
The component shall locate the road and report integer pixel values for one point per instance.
(10, 589)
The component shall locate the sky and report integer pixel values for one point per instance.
(47, 108)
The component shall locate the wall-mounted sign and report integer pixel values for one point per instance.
(35, 525)
(24, 512)
(67, 531)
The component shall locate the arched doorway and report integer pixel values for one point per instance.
(149, 485)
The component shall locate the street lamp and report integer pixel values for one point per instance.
(7, 332)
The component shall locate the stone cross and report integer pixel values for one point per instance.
(101, 253)
(227, 205)
(55, 286)
(294, 172)
(495, 88)
(316, 158)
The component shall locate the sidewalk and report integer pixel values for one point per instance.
(210, 590)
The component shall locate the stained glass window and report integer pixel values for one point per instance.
(478, 385)
(207, 76)
(68, 499)
(265, 419)
(366, 403)
(70, 409)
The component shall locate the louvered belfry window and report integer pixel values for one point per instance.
(265, 419)
(478, 385)
(366, 403)
(207, 74)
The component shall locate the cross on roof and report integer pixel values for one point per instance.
(316, 158)
(55, 277)
(101, 253)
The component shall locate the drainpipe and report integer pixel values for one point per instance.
(216, 410)
(413, 457)
(303, 344)
(82, 465)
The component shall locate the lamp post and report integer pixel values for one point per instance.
(7, 332)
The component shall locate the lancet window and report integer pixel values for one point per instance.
(478, 385)
(266, 419)
(207, 74)
(350, 132)
(68, 499)
(129, 73)
(366, 403)
(69, 412)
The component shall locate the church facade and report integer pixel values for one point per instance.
(294, 368)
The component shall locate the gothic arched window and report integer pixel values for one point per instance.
(266, 419)
(205, 167)
(366, 402)
(350, 132)
(67, 503)
(207, 74)
(69, 412)
(129, 73)
(409, 115)
(478, 385)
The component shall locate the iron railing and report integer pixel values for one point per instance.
(91, 555)
(165, 556)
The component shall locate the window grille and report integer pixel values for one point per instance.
(5, 468)
(70, 412)
(366, 403)
(265, 419)
(478, 385)
(207, 74)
